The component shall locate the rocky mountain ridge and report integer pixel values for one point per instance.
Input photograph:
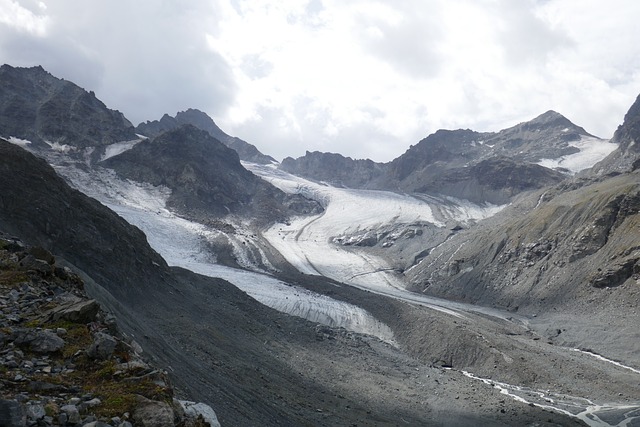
(571, 247)
(38, 107)
(460, 163)
(201, 120)
(206, 178)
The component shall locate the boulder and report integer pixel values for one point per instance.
(83, 311)
(153, 413)
(31, 263)
(193, 410)
(72, 413)
(102, 347)
(43, 341)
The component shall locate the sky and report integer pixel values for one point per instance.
(364, 78)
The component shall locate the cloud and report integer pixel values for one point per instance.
(366, 78)
(144, 58)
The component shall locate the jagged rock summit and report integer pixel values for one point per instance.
(206, 178)
(201, 120)
(46, 110)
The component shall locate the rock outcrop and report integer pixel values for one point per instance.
(627, 136)
(335, 169)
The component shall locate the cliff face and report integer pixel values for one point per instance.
(36, 106)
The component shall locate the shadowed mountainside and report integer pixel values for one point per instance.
(206, 178)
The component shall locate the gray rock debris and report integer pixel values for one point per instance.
(38, 341)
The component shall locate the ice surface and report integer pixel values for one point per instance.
(592, 150)
(60, 148)
(307, 242)
(183, 243)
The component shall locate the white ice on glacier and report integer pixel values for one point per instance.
(18, 141)
(183, 243)
(306, 242)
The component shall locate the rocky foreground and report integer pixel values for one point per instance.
(64, 362)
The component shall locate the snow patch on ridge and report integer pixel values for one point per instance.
(17, 141)
(119, 148)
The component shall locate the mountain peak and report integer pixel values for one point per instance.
(552, 118)
(201, 120)
(36, 106)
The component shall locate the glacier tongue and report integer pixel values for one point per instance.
(182, 243)
(308, 242)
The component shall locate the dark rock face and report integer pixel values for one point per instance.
(334, 168)
(94, 238)
(481, 167)
(627, 136)
(495, 180)
(37, 106)
(206, 178)
(201, 120)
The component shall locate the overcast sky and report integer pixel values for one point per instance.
(364, 78)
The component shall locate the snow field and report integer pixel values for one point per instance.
(592, 150)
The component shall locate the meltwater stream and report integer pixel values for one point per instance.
(585, 410)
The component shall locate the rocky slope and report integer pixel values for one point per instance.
(206, 178)
(481, 167)
(38, 107)
(197, 118)
(63, 360)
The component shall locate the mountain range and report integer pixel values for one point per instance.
(481, 278)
